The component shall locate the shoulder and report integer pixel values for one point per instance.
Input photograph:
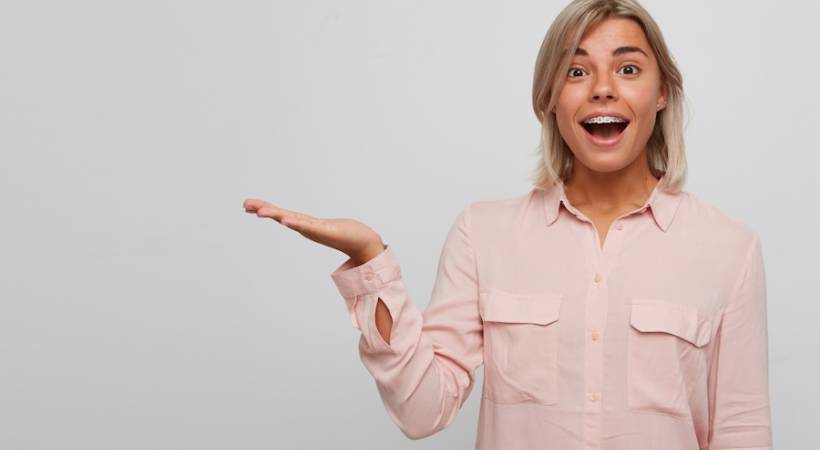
(505, 209)
(704, 220)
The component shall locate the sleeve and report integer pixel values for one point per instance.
(427, 371)
(739, 404)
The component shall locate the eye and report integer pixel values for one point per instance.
(572, 69)
(634, 68)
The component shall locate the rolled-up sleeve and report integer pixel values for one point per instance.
(739, 404)
(427, 370)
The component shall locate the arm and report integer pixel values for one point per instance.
(739, 384)
(423, 363)
(384, 322)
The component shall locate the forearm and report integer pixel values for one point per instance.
(384, 323)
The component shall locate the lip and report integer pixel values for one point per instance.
(605, 142)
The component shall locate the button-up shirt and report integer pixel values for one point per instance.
(654, 339)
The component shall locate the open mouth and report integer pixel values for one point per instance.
(605, 130)
(605, 134)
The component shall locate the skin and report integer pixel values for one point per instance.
(606, 183)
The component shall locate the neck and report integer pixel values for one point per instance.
(610, 191)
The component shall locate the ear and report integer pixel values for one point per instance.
(662, 98)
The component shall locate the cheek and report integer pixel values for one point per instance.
(570, 99)
(565, 125)
(569, 103)
(642, 101)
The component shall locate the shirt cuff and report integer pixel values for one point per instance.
(354, 281)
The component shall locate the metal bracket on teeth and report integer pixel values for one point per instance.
(604, 120)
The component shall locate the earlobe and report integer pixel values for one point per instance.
(661, 103)
(662, 99)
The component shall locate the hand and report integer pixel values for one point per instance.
(351, 237)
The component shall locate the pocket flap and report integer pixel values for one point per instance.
(685, 322)
(541, 308)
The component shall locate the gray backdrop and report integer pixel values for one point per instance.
(142, 308)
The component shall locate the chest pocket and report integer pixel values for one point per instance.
(521, 346)
(666, 358)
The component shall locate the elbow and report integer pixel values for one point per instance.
(428, 403)
(417, 421)
(417, 433)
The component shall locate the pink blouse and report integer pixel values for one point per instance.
(655, 340)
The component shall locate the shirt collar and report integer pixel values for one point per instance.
(663, 204)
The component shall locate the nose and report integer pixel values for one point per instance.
(603, 88)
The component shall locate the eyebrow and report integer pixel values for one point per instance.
(616, 52)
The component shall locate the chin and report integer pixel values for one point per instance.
(609, 161)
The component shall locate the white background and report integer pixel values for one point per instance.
(142, 308)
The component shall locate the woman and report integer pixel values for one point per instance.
(610, 308)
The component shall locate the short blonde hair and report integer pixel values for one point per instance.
(665, 147)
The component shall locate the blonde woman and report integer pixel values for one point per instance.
(611, 309)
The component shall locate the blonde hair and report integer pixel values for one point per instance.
(665, 147)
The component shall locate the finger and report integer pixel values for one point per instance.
(255, 203)
(304, 217)
(296, 223)
(279, 213)
(307, 225)
(275, 214)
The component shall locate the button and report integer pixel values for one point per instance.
(593, 396)
(595, 335)
(598, 277)
(620, 226)
(368, 276)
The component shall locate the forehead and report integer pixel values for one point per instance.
(612, 33)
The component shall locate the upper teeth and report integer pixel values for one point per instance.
(604, 119)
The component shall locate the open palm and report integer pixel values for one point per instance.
(349, 236)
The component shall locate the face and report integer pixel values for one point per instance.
(606, 77)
